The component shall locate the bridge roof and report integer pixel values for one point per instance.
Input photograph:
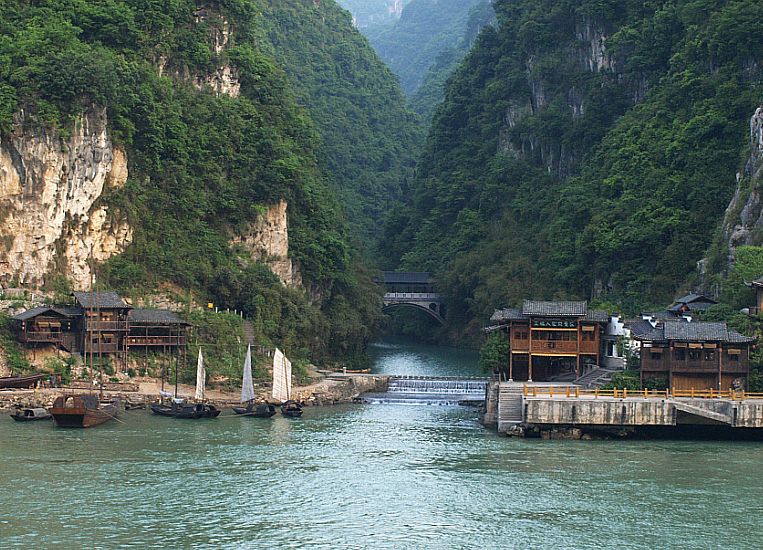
(420, 277)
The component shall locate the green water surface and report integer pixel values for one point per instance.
(369, 476)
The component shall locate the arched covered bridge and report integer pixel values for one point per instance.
(412, 289)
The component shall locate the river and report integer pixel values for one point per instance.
(369, 476)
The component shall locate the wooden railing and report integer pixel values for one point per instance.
(575, 391)
(38, 336)
(93, 325)
(156, 340)
(554, 346)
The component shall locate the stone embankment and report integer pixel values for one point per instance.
(330, 391)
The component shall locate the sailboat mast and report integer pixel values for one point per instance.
(98, 335)
(89, 331)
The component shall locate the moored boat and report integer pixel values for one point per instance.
(180, 408)
(17, 382)
(291, 409)
(262, 410)
(82, 411)
(28, 415)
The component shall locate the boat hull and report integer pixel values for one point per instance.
(291, 409)
(260, 411)
(81, 412)
(188, 412)
(17, 382)
(26, 416)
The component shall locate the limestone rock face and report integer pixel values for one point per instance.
(50, 186)
(743, 220)
(267, 241)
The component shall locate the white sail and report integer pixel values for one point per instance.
(247, 388)
(287, 376)
(200, 375)
(281, 389)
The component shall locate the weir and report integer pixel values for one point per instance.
(424, 390)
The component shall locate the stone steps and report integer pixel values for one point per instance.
(595, 379)
(509, 407)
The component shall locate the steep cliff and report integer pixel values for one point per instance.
(50, 191)
(584, 150)
(743, 219)
(193, 95)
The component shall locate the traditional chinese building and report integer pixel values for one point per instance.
(693, 355)
(101, 323)
(550, 340)
(691, 304)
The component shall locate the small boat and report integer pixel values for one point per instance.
(134, 405)
(282, 385)
(17, 382)
(263, 410)
(292, 409)
(83, 411)
(27, 415)
(180, 408)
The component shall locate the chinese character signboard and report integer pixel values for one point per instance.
(555, 323)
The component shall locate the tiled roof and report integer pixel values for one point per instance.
(575, 309)
(406, 277)
(515, 314)
(691, 297)
(104, 299)
(508, 314)
(65, 311)
(597, 315)
(158, 316)
(688, 332)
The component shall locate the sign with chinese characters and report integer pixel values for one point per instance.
(554, 323)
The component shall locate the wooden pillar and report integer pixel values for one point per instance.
(671, 350)
(511, 355)
(529, 367)
(720, 365)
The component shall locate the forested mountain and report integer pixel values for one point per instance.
(425, 29)
(430, 93)
(371, 13)
(172, 131)
(369, 141)
(585, 149)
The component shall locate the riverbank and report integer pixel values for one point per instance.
(331, 390)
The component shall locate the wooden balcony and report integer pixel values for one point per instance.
(554, 346)
(93, 325)
(589, 347)
(103, 347)
(143, 341)
(40, 337)
(520, 344)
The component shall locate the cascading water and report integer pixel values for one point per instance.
(430, 391)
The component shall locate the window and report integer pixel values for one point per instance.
(589, 336)
(734, 358)
(694, 354)
(611, 349)
(679, 354)
(656, 356)
(709, 355)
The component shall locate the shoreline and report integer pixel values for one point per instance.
(332, 390)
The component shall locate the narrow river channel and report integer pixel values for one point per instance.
(369, 476)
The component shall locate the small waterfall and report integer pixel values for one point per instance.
(430, 391)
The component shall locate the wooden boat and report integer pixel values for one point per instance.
(282, 385)
(263, 410)
(82, 411)
(292, 409)
(179, 408)
(28, 415)
(353, 371)
(16, 382)
(183, 409)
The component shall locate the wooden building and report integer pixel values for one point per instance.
(104, 323)
(550, 340)
(156, 328)
(693, 355)
(757, 285)
(691, 304)
(59, 326)
(101, 323)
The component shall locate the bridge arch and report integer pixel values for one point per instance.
(433, 312)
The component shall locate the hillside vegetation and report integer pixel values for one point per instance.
(584, 150)
(203, 166)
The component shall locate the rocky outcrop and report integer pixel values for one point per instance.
(267, 241)
(50, 208)
(743, 219)
(224, 79)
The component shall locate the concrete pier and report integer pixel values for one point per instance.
(517, 411)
